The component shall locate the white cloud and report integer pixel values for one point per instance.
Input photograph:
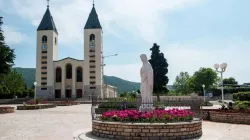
(190, 57)
(143, 18)
(13, 36)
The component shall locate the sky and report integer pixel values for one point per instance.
(190, 33)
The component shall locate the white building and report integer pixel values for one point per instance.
(69, 77)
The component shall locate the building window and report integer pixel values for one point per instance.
(79, 74)
(44, 78)
(92, 87)
(44, 67)
(44, 57)
(92, 66)
(92, 38)
(91, 61)
(43, 72)
(91, 50)
(44, 62)
(55, 41)
(44, 39)
(92, 83)
(44, 83)
(68, 71)
(92, 71)
(43, 88)
(92, 77)
(92, 56)
(58, 75)
(44, 51)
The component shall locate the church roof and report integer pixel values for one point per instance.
(93, 21)
(47, 22)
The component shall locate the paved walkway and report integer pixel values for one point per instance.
(67, 122)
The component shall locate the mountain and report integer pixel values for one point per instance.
(122, 85)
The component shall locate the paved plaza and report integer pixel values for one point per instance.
(65, 122)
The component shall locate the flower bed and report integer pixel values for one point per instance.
(35, 106)
(158, 116)
(6, 109)
(66, 103)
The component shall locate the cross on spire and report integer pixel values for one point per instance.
(93, 3)
(48, 3)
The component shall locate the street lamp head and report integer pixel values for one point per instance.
(216, 66)
(203, 86)
(34, 83)
(223, 65)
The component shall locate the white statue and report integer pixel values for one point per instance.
(147, 81)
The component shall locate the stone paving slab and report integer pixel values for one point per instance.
(67, 122)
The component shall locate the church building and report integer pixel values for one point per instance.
(69, 77)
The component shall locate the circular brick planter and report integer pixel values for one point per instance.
(6, 109)
(147, 131)
(230, 117)
(33, 107)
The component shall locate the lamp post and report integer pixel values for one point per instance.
(203, 86)
(35, 92)
(223, 67)
(102, 65)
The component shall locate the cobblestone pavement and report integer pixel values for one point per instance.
(65, 123)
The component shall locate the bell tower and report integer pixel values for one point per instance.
(93, 56)
(46, 53)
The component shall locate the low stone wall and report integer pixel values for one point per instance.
(230, 117)
(6, 109)
(147, 131)
(33, 107)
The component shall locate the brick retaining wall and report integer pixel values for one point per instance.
(147, 131)
(226, 117)
(6, 110)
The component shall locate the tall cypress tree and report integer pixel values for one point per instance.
(7, 55)
(160, 67)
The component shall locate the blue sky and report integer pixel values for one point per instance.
(191, 33)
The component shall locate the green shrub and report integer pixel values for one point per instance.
(243, 105)
(241, 96)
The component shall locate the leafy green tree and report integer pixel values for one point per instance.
(160, 67)
(180, 84)
(230, 81)
(138, 91)
(205, 76)
(14, 82)
(7, 55)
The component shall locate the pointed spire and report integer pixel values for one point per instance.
(93, 21)
(48, 3)
(47, 22)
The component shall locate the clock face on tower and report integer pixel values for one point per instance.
(44, 47)
(91, 45)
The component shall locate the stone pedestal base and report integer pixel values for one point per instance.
(147, 108)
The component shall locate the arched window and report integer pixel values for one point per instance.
(44, 39)
(55, 41)
(79, 74)
(68, 71)
(58, 75)
(92, 38)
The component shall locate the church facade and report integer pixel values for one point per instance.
(69, 77)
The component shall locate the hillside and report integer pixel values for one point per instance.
(123, 85)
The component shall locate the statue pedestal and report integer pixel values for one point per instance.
(147, 108)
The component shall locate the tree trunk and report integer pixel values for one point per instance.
(158, 98)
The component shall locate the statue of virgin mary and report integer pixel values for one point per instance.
(147, 80)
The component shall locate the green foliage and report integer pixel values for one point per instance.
(138, 91)
(7, 55)
(205, 76)
(230, 81)
(180, 84)
(241, 96)
(160, 67)
(14, 82)
(243, 105)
